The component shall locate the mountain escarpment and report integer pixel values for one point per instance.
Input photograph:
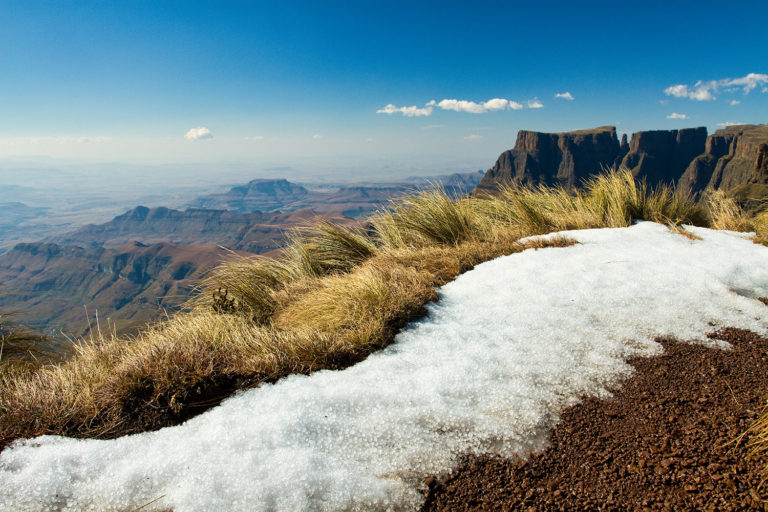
(554, 158)
(728, 159)
(733, 157)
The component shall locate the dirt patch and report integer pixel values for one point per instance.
(667, 440)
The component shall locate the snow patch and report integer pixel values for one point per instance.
(490, 369)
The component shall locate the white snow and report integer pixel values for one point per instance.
(509, 345)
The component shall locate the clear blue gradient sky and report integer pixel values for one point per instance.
(282, 81)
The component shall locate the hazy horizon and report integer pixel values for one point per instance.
(224, 92)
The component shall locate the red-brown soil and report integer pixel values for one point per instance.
(668, 439)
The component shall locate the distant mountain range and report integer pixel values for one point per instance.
(351, 200)
(254, 232)
(147, 260)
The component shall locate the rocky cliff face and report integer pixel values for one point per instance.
(734, 156)
(554, 158)
(661, 156)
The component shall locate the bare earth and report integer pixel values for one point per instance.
(667, 440)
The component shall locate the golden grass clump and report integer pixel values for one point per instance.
(760, 225)
(324, 248)
(620, 199)
(23, 347)
(335, 295)
(429, 217)
(725, 212)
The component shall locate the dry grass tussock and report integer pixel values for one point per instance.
(335, 295)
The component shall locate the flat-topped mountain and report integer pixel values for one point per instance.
(734, 157)
(254, 232)
(353, 200)
(260, 194)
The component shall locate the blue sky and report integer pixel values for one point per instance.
(266, 82)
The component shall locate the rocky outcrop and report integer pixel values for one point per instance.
(661, 156)
(733, 157)
(554, 158)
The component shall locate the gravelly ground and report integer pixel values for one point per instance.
(664, 441)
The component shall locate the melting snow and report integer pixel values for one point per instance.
(509, 345)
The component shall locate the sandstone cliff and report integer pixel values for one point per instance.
(734, 156)
(554, 158)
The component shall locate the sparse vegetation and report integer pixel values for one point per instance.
(334, 296)
(21, 347)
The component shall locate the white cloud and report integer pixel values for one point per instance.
(462, 106)
(675, 115)
(492, 105)
(565, 95)
(369, 139)
(750, 81)
(199, 133)
(496, 104)
(678, 91)
(535, 103)
(735, 102)
(705, 90)
(728, 123)
(474, 136)
(412, 111)
(472, 107)
(317, 136)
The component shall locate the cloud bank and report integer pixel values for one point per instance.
(199, 133)
(706, 90)
(471, 107)
(565, 95)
